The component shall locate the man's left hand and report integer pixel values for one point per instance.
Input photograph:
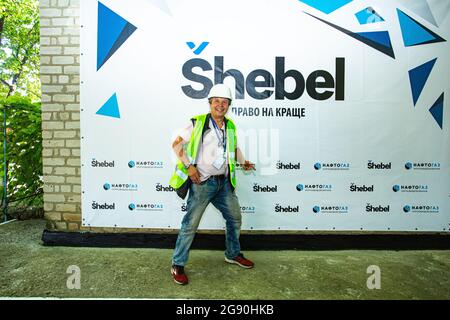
(247, 165)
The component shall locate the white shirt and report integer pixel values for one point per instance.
(209, 151)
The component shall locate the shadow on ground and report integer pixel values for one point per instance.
(28, 269)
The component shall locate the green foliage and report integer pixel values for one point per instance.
(24, 151)
(19, 48)
(19, 86)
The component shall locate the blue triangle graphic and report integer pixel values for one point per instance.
(380, 37)
(113, 31)
(368, 15)
(437, 110)
(414, 33)
(418, 77)
(110, 108)
(326, 6)
(378, 40)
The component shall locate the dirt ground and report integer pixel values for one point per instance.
(28, 269)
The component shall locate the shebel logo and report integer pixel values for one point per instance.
(319, 79)
(410, 188)
(258, 188)
(102, 164)
(183, 207)
(378, 166)
(161, 188)
(199, 48)
(332, 166)
(147, 164)
(120, 186)
(421, 208)
(288, 166)
(330, 209)
(377, 209)
(363, 188)
(423, 166)
(314, 187)
(146, 206)
(279, 208)
(105, 206)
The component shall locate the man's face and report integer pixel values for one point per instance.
(219, 107)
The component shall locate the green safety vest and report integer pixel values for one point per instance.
(180, 176)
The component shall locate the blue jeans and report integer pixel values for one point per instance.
(218, 192)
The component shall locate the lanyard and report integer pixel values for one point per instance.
(224, 139)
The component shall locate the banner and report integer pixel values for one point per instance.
(340, 104)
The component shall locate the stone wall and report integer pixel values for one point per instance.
(60, 60)
(60, 77)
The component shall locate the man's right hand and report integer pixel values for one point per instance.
(194, 174)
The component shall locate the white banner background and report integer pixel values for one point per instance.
(376, 121)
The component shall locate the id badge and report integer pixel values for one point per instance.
(218, 163)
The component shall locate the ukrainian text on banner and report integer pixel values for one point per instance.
(341, 105)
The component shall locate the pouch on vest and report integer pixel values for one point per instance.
(183, 190)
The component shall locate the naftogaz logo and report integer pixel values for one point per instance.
(146, 206)
(330, 208)
(410, 188)
(413, 32)
(146, 164)
(248, 209)
(120, 186)
(420, 208)
(331, 166)
(314, 187)
(423, 166)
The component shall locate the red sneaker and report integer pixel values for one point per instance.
(241, 261)
(178, 275)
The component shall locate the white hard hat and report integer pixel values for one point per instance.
(220, 91)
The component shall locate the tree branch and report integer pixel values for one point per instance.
(5, 83)
(2, 23)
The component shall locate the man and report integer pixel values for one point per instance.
(207, 152)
